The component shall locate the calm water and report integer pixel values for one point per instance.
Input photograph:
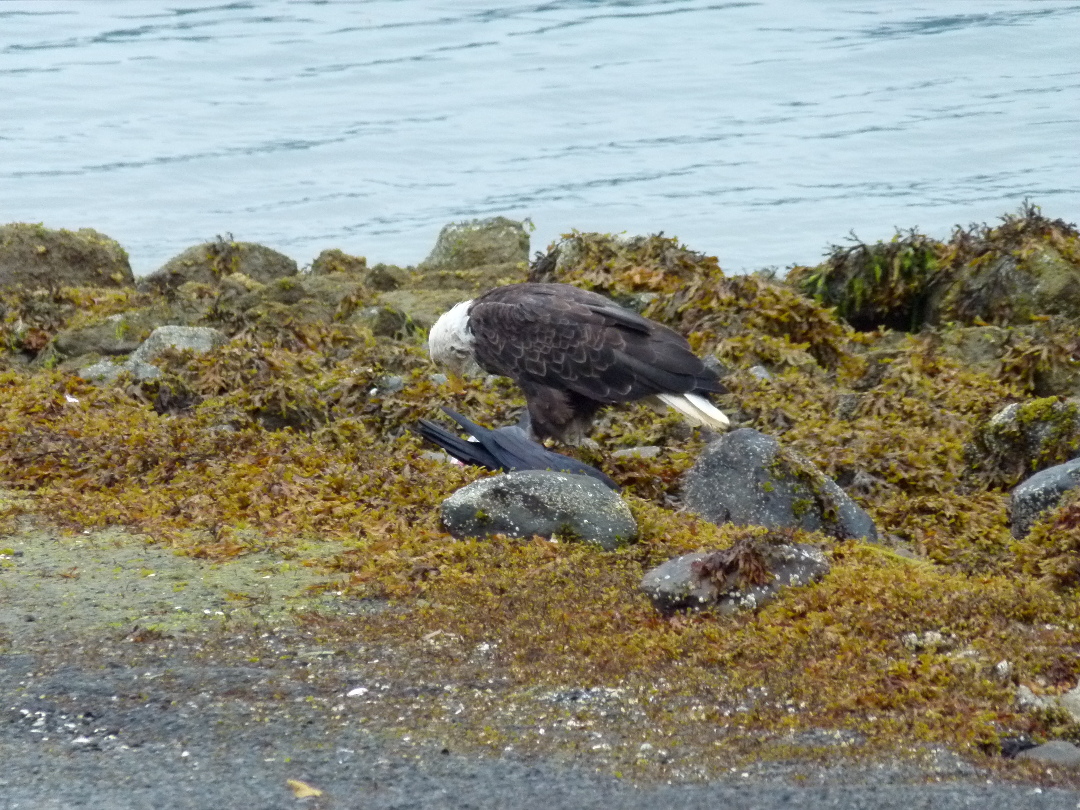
(761, 132)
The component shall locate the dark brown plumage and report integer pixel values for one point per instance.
(573, 351)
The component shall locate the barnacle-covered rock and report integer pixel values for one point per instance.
(337, 261)
(34, 256)
(748, 479)
(744, 577)
(540, 502)
(476, 243)
(209, 262)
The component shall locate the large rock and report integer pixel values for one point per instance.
(712, 578)
(1023, 438)
(1039, 493)
(746, 478)
(210, 262)
(36, 256)
(464, 245)
(540, 502)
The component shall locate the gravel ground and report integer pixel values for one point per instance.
(224, 706)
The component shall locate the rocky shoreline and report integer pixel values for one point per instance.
(885, 548)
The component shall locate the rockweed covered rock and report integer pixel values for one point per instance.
(744, 577)
(36, 256)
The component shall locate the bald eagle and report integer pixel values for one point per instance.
(506, 448)
(572, 352)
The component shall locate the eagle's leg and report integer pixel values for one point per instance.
(560, 415)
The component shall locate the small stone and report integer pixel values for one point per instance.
(761, 373)
(647, 451)
(1028, 701)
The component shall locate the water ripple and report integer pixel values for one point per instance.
(759, 131)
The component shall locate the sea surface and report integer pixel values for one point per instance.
(760, 132)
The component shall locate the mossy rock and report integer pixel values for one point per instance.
(464, 245)
(979, 348)
(1050, 551)
(116, 334)
(211, 261)
(423, 307)
(1026, 268)
(1024, 438)
(294, 301)
(385, 277)
(337, 261)
(426, 295)
(883, 284)
(384, 321)
(34, 256)
(1010, 289)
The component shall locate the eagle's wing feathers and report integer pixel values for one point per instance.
(566, 338)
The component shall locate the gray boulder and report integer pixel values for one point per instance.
(1039, 493)
(691, 581)
(540, 502)
(210, 262)
(35, 256)
(199, 339)
(748, 479)
(383, 321)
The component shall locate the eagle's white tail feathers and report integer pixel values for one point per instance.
(697, 410)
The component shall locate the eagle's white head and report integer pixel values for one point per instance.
(450, 341)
